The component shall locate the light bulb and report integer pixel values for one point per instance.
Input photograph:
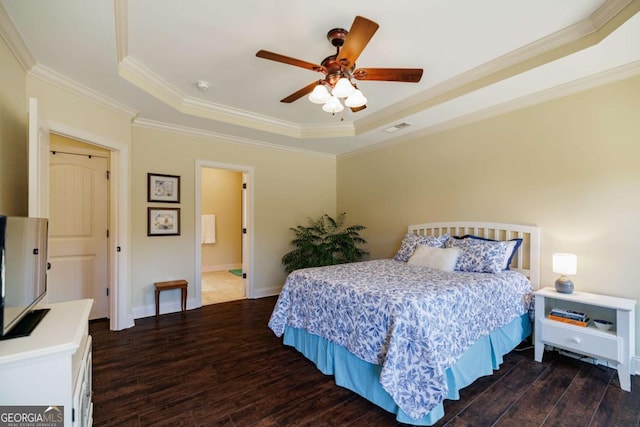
(356, 99)
(343, 88)
(320, 95)
(333, 105)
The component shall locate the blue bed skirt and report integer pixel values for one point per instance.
(362, 377)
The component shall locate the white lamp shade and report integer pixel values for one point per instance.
(333, 105)
(343, 88)
(320, 95)
(565, 264)
(356, 99)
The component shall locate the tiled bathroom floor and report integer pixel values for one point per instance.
(221, 286)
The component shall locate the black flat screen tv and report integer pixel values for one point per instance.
(23, 274)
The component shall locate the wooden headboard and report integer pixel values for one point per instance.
(527, 259)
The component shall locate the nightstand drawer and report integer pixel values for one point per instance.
(581, 340)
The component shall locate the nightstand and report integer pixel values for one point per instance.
(616, 346)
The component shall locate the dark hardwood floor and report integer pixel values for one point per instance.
(221, 366)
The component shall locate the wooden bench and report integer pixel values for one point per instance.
(171, 284)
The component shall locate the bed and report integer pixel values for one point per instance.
(409, 332)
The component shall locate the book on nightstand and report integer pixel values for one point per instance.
(569, 314)
(557, 318)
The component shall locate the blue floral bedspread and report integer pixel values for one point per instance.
(413, 321)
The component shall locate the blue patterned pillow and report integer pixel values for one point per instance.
(479, 256)
(512, 247)
(411, 241)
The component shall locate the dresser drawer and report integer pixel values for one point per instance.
(582, 340)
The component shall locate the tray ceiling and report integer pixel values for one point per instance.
(145, 57)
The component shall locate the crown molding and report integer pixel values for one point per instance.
(583, 34)
(588, 32)
(48, 75)
(144, 78)
(236, 116)
(607, 11)
(141, 76)
(12, 37)
(569, 40)
(198, 107)
(586, 83)
(58, 80)
(120, 8)
(199, 133)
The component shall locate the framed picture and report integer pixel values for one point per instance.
(163, 188)
(163, 221)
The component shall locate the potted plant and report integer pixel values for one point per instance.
(325, 241)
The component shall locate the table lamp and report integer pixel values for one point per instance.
(564, 264)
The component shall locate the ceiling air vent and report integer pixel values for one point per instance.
(397, 127)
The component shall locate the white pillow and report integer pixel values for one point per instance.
(443, 259)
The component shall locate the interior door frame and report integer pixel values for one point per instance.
(121, 316)
(247, 218)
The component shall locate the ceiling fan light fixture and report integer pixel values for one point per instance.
(343, 88)
(320, 94)
(333, 105)
(340, 72)
(356, 99)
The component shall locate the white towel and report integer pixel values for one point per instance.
(208, 229)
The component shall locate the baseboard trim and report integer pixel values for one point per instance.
(268, 292)
(173, 305)
(166, 307)
(221, 267)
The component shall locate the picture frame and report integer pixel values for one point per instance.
(163, 188)
(163, 221)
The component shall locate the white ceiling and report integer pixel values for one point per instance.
(144, 57)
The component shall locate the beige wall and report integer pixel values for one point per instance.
(63, 143)
(570, 166)
(221, 195)
(13, 135)
(79, 113)
(76, 115)
(288, 188)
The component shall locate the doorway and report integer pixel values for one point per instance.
(223, 243)
(221, 235)
(121, 316)
(78, 223)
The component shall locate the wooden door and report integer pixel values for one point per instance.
(78, 227)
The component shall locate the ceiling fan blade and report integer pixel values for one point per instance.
(291, 61)
(356, 109)
(299, 94)
(359, 35)
(408, 75)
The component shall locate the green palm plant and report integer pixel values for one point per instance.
(325, 241)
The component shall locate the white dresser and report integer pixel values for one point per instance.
(52, 366)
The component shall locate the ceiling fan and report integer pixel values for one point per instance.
(340, 69)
